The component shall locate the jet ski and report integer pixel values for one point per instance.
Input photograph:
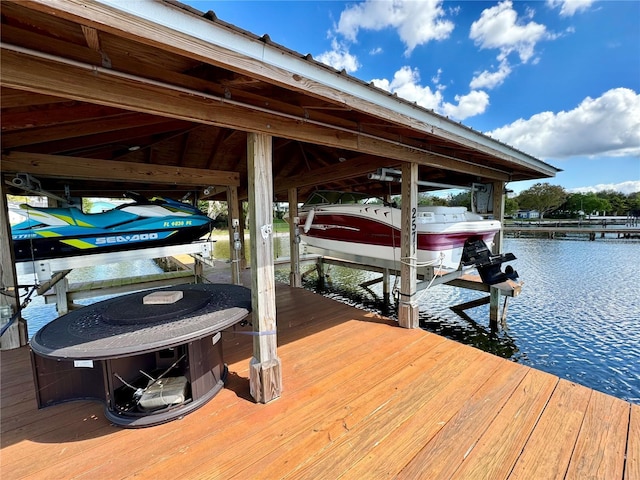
(63, 232)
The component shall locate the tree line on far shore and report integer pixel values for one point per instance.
(553, 201)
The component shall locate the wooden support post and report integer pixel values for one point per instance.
(498, 214)
(16, 335)
(62, 301)
(386, 295)
(265, 370)
(320, 270)
(233, 210)
(198, 271)
(408, 308)
(295, 279)
(503, 317)
(243, 251)
(494, 307)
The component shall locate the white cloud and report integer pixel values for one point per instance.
(406, 84)
(491, 80)
(498, 27)
(417, 21)
(570, 7)
(623, 187)
(474, 103)
(436, 78)
(375, 51)
(606, 126)
(339, 58)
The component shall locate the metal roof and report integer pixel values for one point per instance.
(212, 83)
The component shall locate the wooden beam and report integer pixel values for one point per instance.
(56, 76)
(265, 376)
(74, 129)
(92, 37)
(53, 114)
(478, 302)
(11, 98)
(109, 170)
(333, 173)
(96, 141)
(408, 308)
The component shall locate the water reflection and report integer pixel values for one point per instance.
(221, 247)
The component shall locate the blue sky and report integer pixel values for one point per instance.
(558, 79)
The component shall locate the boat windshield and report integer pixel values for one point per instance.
(324, 197)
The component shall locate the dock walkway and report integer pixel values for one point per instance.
(362, 399)
(591, 232)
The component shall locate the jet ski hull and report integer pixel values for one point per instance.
(41, 248)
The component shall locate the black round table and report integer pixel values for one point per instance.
(150, 356)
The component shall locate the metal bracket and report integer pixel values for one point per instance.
(266, 230)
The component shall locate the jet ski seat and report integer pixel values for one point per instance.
(75, 216)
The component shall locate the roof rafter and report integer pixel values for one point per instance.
(24, 69)
(109, 170)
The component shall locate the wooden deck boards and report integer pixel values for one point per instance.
(362, 398)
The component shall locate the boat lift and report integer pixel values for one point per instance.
(429, 276)
(52, 272)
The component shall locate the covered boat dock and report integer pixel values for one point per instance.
(101, 97)
(104, 96)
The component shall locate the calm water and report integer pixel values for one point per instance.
(578, 315)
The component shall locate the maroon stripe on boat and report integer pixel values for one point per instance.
(347, 228)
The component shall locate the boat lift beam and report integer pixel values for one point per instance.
(44, 269)
(52, 272)
(428, 277)
(462, 278)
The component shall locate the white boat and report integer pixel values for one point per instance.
(358, 224)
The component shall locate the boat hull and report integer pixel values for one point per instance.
(63, 232)
(375, 232)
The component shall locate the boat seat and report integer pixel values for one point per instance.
(75, 216)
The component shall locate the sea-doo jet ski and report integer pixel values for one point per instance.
(63, 232)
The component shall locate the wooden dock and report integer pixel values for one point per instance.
(553, 231)
(362, 399)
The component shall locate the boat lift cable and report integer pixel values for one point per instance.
(412, 261)
(32, 250)
(34, 288)
(433, 278)
(393, 245)
(16, 315)
(415, 263)
(430, 284)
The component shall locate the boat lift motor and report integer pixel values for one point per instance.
(476, 253)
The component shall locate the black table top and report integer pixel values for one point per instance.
(124, 326)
